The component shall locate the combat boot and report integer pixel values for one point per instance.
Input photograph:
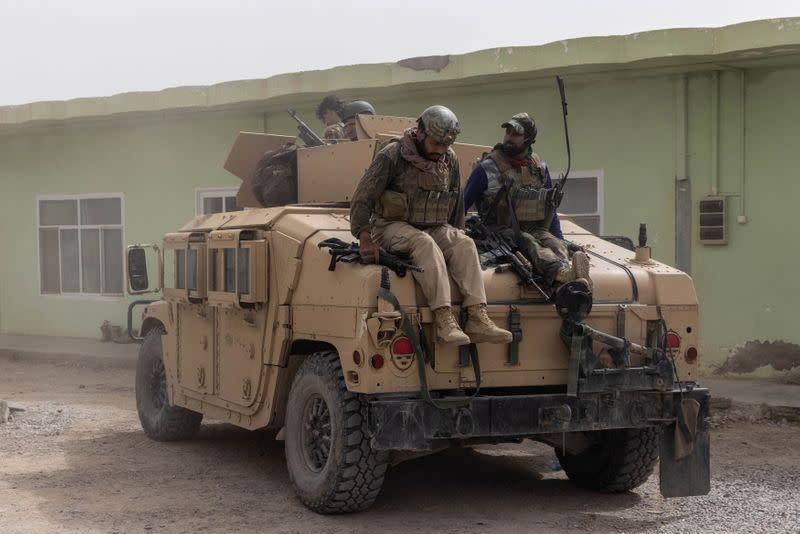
(481, 329)
(447, 330)
(578, 269)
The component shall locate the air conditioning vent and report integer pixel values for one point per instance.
(712, 221)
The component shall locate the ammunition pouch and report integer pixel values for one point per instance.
(530, 204)
(534, 207)
(394, 205)
(431, 208)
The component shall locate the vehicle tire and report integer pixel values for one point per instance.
(619, 460)
(330, 461)
(160, 420)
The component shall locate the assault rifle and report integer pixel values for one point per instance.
(504, 252)
(349, 253)
(304, 132)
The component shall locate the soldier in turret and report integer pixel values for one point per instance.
(349, 113)
(329, 112)
(410, 200)
(511, 187)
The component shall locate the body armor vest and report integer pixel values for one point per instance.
(419, 198)
(531, 201)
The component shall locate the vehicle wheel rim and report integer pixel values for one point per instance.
(158, 386)
(316, 433)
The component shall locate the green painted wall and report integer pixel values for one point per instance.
(624, 124)
(156, 165)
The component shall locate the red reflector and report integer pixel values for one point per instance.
(691, 355)
(402, 345)
(356, 357)
(673, 340)
(376, 361)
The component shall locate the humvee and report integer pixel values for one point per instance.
(255, 326)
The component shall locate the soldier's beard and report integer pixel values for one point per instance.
(511, 149)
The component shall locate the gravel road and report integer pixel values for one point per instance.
(77, 461)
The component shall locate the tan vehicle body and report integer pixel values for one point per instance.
(259, 326)
(232, 356)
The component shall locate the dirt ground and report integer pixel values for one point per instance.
(77, 461)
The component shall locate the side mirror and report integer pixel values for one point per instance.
(138, 277)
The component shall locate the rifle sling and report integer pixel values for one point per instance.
(419, 351)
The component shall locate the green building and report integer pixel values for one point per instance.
(659, 121)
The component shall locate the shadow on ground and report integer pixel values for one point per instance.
(231, 479)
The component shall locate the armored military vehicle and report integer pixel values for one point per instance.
(257, 326)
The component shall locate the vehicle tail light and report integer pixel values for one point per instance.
(376, 361)
(356, 357)
(402, 345)
(691, 355)
(673, 340)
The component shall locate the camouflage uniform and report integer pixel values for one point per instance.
(436, 241)
(547, 252)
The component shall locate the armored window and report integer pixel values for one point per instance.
(583, 199)
(237, 267)
(185, 266)
(216, 200)
(80, 245)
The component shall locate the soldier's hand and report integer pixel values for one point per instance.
(368, 247)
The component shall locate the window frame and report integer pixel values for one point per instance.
(184, 242)
(600, 213)
(217, 242)
(80, 295)
(201, 193)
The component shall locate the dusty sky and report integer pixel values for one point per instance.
(57, 49)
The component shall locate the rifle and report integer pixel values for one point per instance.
(349, 253)
(304, 132)
(504, 252)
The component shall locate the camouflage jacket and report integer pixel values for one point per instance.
(380, 176)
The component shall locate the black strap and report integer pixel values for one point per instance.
(419, 351)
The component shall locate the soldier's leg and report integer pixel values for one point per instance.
(544, 260)
(434, 281)
(578, 268)
(463, 263)
(462, 260)
(551, 242)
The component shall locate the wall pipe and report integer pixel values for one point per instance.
(742, 142)
(714, 132)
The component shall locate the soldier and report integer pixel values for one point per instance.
(409, 200)
(329, 112)
(349, 112)
(512, 174)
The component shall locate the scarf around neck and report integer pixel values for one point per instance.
(410, 153)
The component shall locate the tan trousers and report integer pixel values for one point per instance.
(437, 250)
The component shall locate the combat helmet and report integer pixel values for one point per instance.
(356, 107)
(440, 123)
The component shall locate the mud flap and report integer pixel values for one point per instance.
(685, 467)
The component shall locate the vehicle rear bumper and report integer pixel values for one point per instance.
(413, 424)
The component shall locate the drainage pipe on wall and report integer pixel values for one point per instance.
(715, 132)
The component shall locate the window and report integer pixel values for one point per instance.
(185, 266)
(237, 267)
(80, 244)
(216, 200)
(583, 199)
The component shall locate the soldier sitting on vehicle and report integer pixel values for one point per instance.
(409, 200)
(348, 116)
(329, 112)
(511, 189)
